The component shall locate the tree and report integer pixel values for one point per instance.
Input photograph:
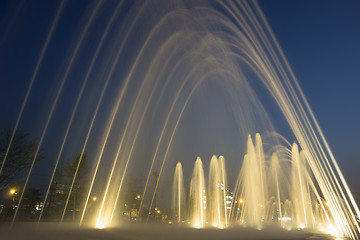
(19, 157)
(130, 200)
(69, 169)
(64, 177)
(31, 200)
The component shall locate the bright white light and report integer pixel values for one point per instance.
(100, 225)
(333, 231)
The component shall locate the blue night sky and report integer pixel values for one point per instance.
(319, 38)
(321, 42)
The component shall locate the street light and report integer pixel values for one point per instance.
(13, 191)
(94, 199)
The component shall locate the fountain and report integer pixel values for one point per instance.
(217, 207)
(261, 196)
(138, 92)
(178, 196)
(198, 195)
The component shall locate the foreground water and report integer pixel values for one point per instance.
(135, 232)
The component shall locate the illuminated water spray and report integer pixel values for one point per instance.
(178, 194)
(198, 195)
(217, 212)
(276, 190)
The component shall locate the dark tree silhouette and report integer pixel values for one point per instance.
(62, 183)
(19, 158)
